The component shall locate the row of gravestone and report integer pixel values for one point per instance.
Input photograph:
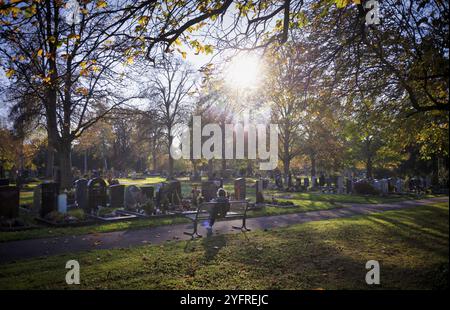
(89, 194)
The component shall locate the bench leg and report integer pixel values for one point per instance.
(243, 227)
(194, 234)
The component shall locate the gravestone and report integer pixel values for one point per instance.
(239, 189)
(322, 180)
(259, 192)
(298, 184)
(37, 196)
(4, 182)
(173, 191)
(209, 190)
(81, 194)
(340, 184)
(399, 186)
(306, 183)
(313, 181)
(289, 180)
(133, 197)
(279, 181)
(9, 201)
(148, 192)
(49, 201)
(384, 185)
(96, 194)
(116, 195)
(349, 186)
(62, 203)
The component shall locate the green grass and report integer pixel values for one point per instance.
(411, 246)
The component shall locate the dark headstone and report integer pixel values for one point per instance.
(148, 192)
(4, 182)
(133, 196)
(259, 192)
(322, 180)
(279, 181)
(9, 201)
(49, 201)
(96, 194)
(298, 184)
(116, 195)
(306, 183)
(239, 189)
(173, 192)
(349, 186)
(81, 193)
(290, 180)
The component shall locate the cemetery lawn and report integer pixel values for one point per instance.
(411, 246)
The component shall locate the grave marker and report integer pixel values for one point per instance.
(239, 189)
(9, 201)
(96, 194)
(49, 202)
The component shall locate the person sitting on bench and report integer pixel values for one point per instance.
(219, 209)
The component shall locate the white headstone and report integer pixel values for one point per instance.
(62, 203)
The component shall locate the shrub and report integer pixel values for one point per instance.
(77, 213)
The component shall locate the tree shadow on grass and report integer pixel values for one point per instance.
(212, 246)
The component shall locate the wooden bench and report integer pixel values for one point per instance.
(238, 209)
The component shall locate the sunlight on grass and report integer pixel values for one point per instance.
(411, 246)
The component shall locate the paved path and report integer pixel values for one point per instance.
(22, 249)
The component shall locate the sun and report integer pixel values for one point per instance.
(243, 72)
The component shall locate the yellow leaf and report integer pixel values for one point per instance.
(101, 4)
(40, 52)
(10, 73)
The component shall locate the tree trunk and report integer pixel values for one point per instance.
(224, 162)
(170, 157)
(85, 162)
(50, 162)
(369, 168)
(65, 166)
(286, 168)
(210, 169)
(154, 160)
(313, 165)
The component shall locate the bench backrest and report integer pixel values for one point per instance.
(237, 206)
